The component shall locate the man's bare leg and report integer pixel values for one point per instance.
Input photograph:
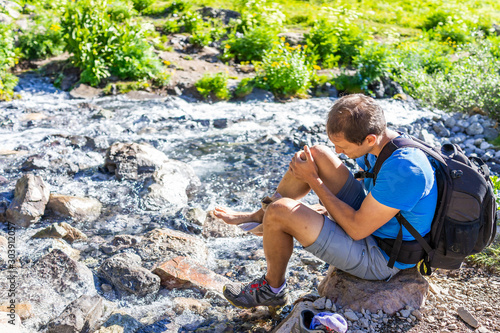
(330, 169)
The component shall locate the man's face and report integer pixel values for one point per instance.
(351, 149)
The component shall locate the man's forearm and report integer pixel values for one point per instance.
(342, 213)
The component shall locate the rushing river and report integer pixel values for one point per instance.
(238, 150)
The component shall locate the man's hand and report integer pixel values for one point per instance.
(303, 166)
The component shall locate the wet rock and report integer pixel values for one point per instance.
(320, 303)
(474, 129)
(215, 227)
(392, 88)
(142, 95)
(490, 133)
(3, 251)
(120, 322)
(35, 162)
(61, 230)
(259, 95)
(84, 91)
(224, 14)
(181, 304)
(30, 198)
(80, 315)
(182, 272)
(407, 288)
(120, 242)
(79, 209)
(195, 215)
(125, 272)
(378, 88)
(10, 322)
(293, 38)
(467, 317)
(169, 186)
(65, 275)
(23, 310)
(164, 244)
(350, 315)
(103, 114)
(66, 248)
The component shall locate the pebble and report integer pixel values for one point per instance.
(467, 317)
(349, 315)
(405, 313)
(329, 304)
(452, 327)
(417, 314)
(319, 303)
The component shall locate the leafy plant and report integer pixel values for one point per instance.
(102, 47)
(372, 62)
(141, 5)
(215, 84)
(249, 46)
(259, 13)
(284, 70)
(245, 87)
(7, 60)
(42, 40)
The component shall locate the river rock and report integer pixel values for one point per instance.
(181, 304)
(30, 198)
(490, 133)
(61, 230)
(133, 161)
(79, 209)
(182, 272)
(164, 244)
(215, 227)
(169, 186)
(125, 272)
(64, 275)
(81, 315)
(467, 317)
(120, 242)
(224, 14)
(120, 322)
(259, 95)
(407, 288)
(475, 129)
(84, 91)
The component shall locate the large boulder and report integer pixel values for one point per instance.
(182, 272)
(125, 272)
(407, 288)
(79, 209)
(165, 244)
(30, 198)
(80, 315)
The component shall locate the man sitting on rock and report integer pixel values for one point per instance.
(341, 230)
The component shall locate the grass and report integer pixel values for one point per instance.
(489, 257)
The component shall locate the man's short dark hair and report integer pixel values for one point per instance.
(356, 116)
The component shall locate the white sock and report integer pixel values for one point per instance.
(277, 290)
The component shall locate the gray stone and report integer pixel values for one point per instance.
(81, 315)
(215, 227)
(165, 244)
(76, 208)
(475, 129)
(83, 91)
(490, 133)
(320, 303)
(125, 272)
(463, 123)
(61, 230)
(487, 156)
(259, 95)
(293, 38)
(405, 313)
(441, 130)
(30, 198)
(224, 14)
(407, 288)
(450, 122)
(351, 316)
(196, 215)
(120, 322)
(467, 317)
(120, 242)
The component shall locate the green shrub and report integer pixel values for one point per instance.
(284, 70)
(249, 46)
(215, 84)
(448, 26)
(259, 13)
(351, 84)
(495, 46)
(120, 10)
(124, 87)
(337, 35)
(141, 5)
(7, 60)
(42, 40)
(191, 22)
(245, 87)
(102, 47)
(372, 62)
(473, 82)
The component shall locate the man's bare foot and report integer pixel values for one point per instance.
(233, 217)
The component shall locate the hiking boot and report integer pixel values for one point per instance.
(306, 317)
(256, 293)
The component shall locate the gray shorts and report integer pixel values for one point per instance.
(361, 258)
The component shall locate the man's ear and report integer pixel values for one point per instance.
(372, 139)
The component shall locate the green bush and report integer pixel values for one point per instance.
(102, 47)
(42, 40)
(285, 71)
(7, 60)
(249, 46)
(214, 84)
(495, 46)
(472, 83)
(120, 10)
(245, 87)
(337, 35)
(191, 22)
(259, 13)
(372, 62)
(141, 5)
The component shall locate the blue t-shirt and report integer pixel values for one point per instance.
(406, 182)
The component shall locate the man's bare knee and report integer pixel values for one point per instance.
(278, 210)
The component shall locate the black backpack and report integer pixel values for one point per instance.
(465, 219)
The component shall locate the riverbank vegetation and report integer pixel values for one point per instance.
(446, 54)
